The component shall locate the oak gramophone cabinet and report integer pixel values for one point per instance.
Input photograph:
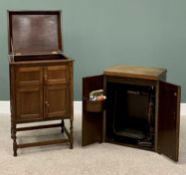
(141, 109)
(41, 76)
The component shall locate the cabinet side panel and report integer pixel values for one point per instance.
(71, 89)
(12, 95)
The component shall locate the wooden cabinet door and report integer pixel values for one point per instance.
(57, 92)
(92, 122)
(168, 120)
(29, 94)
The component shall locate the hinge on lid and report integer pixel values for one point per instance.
(54, 52)
(18, 53)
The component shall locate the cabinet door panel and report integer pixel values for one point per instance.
(29, 101)
(57, 91)
(92, 122)
(168, 120)
(57, 104)
(29, 75)
(56, 75)
(29, 93)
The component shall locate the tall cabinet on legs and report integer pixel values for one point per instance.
(41, 76)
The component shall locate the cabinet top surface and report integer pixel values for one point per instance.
(34, 32)
(136, 72)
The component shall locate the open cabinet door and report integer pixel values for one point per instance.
(92, 121)
(168, 120)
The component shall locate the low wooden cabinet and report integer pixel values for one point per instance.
(41, 76)
(141, 110)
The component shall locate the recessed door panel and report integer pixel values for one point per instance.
(29, 75)
(57, 104)
(56, 75)
(29, 102)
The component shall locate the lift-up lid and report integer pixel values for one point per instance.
(34, 32)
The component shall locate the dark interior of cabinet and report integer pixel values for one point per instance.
(130, 115)
(39, 57)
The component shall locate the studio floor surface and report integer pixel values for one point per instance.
(103, 159)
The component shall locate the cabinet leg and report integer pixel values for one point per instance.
(11, 132)
(71, 134)
(62, 126)
(11, 129)
(14, 140)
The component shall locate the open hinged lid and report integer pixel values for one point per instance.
(34, 32)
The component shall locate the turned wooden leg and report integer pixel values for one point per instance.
(11, 129)
(71, 134)
(14, 140)
(62, 126)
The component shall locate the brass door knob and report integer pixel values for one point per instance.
(47, 104)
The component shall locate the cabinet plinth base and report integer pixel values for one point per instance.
(68, 140)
